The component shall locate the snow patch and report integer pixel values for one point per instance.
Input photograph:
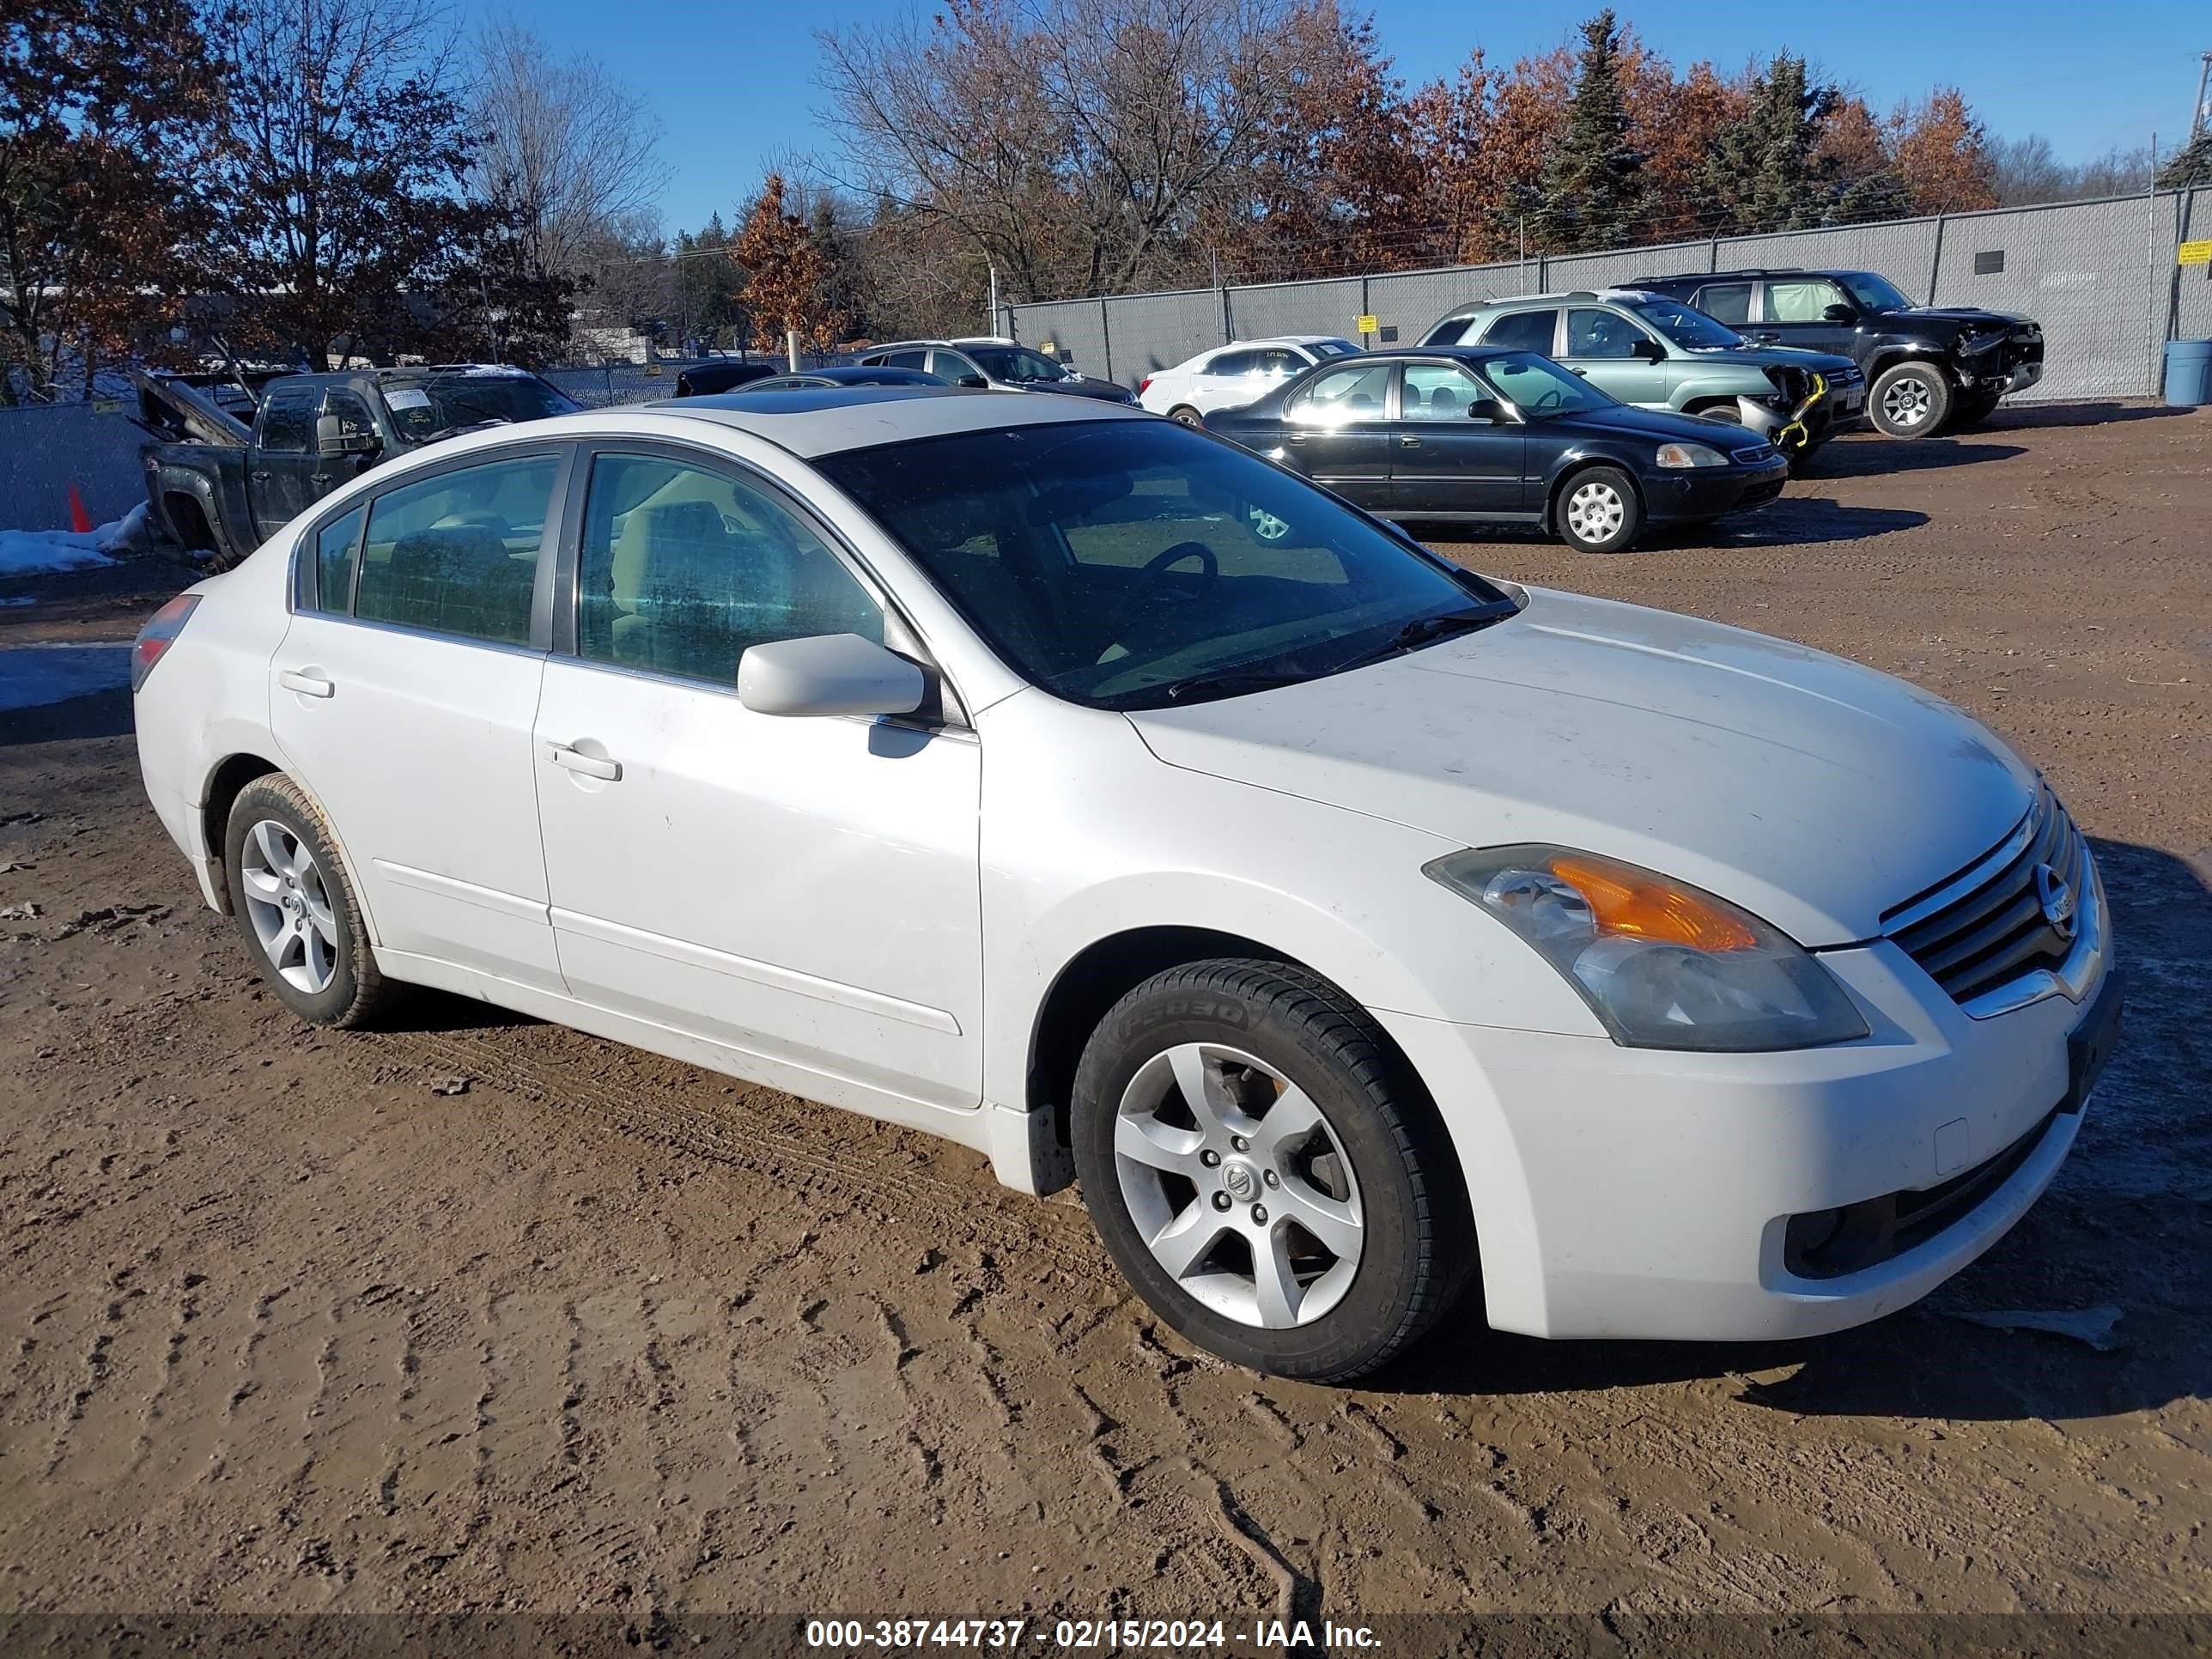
(42, 552)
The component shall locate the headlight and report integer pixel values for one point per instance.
(1663, 964)
(1690, 455)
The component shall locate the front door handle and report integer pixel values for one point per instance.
(307, 685)
(259, 477)
(591, 766)
(1408, 440)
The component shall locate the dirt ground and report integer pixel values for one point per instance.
(480, 1314)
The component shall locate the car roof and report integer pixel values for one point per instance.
(1585, 296)
(817, 421)
(1274, 340)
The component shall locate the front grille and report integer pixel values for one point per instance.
(1846, 377)
(1757, 455)
(1997, 930)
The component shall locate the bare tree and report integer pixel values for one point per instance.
(571, 157)
(1074, 142)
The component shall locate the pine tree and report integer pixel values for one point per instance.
(1593, 179)
(1766, 172)
(2192, 165)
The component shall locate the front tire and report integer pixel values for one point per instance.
(1266, 1171)
(297, 910)
(1911, 400)
(1598, 511)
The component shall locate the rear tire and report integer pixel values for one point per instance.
(1597, 511)
(1911, 400)
(1306, 1114)
(1184, 415)
(295, 907)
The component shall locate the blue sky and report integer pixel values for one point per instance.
(734, 84)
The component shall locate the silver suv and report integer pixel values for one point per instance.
(1658, 353)
(1002, 365)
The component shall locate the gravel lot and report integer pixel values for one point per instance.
(479, 1314)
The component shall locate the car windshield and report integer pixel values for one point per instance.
(1133, 564)
(450, 402)
(1874, 293)
(1691, 329)
(1538, 387)
(1015, 363)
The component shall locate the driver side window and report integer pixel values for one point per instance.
(683, 568)
(1801, 299)
(1601, 334)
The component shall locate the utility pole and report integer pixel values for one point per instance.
(2203, 75)
(991, 327)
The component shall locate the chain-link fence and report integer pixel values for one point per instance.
(2100, 277)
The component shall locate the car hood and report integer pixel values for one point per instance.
(1629, 420)
(1827, 362)
(1818, 795)
(1106, 391)
(1960, 314)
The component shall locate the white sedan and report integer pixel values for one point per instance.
(1351, 926)
(1230, 376)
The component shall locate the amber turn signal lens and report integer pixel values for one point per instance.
(1630, 904)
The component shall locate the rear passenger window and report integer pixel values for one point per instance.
(1726, 302)
(457, 554)
(683, 568)
(1233, 363)
(334, 547)
(1523, 331)
(1341, 396)
(913, 360)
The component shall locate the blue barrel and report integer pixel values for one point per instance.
(2188, 373)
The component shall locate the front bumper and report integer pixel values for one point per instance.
(1624, 1193)
(1698, 493)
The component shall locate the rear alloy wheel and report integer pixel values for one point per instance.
(292, 901)
(1184, 415)
(1597, 511)
(1266, 1172)
(1911, 400)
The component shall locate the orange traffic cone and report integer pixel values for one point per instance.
(80, 521)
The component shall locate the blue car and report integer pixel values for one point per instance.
(1458, 434)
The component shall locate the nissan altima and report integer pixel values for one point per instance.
(1353, 928)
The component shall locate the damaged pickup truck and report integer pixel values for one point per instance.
(1660, 353)
(219, 487)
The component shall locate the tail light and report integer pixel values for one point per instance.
(159, 633)
(1144, 385)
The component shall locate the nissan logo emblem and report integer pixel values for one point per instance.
(2057, 899)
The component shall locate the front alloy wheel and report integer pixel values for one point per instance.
(1266, 1171)
(1911, 400)
(1237, 1185)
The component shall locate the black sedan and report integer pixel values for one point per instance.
(1467, 435)
(817, 378)
(705, 379)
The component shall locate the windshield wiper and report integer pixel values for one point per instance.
(1235, 683)
(1427, 630)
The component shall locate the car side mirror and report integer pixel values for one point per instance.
(1648, 351)
(332, 437)
(974, 380)
(1840, 313)
(829, 674)
(1486, 410)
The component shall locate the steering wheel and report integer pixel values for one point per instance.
(1160, 562)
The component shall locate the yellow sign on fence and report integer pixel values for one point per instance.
(1369, 325)
(2193, 254)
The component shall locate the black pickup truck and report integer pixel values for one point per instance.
(219, 487)
(1929, 368)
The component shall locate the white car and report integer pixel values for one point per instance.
(1230, 376)
(1350, 926)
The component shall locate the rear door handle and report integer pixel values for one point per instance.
(307, 685)
(590, 765)
(1409, 442)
